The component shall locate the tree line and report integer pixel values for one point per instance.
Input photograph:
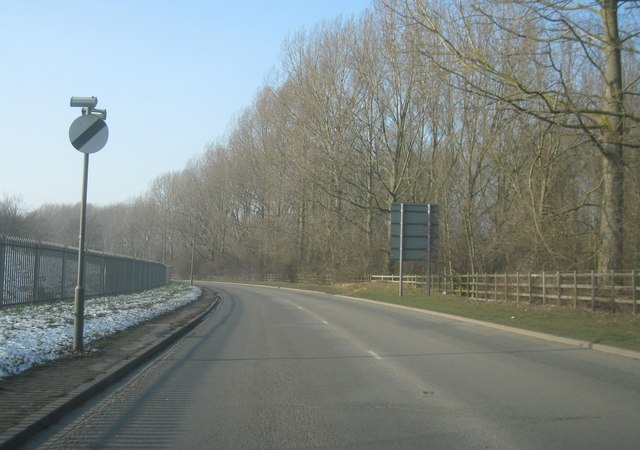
(518, 118)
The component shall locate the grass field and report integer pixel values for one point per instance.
(618, 330)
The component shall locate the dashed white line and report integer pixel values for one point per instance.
(374, 354)
(325, 322)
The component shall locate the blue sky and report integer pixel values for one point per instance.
(172, 76)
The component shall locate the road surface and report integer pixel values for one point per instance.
(277, 368)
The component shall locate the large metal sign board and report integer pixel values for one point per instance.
(414, 227)
(88, 134)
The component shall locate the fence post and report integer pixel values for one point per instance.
(612, 302)
(127, 271)
(634, 296)
(495, 287)
(559, 288)
(457, 283)
(593, 291)
(469, 294)
(63, 275)
(517, 287)
(544, 288)
(506, 288)
(529, 282)
(2, 245)
(36, 273)
(575, 289)
(103, 285)
(473, 285)
(486, 287)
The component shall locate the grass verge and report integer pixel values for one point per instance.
(617, 330)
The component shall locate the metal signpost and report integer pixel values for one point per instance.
(88, 134)
(414, 235)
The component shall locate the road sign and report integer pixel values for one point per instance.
(88, 134)
(414, 235)
(414, 227)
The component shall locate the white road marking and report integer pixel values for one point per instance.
(374, 354)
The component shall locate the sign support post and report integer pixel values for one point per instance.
(88, 134)
(401, 246)
(414, 235)
(79, 291)
(428, 275)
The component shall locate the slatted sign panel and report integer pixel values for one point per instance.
(419, 232)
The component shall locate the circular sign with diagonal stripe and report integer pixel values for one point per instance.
(88, 134)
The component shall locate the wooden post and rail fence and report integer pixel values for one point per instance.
(613, 291)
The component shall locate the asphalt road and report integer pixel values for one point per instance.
(276, 368)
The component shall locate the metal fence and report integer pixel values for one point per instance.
(614, 291)
(32, 271)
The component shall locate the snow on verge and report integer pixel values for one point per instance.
(33, 334)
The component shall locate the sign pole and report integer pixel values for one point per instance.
(414, 236)
(428, 280)
(401, 245)
(88, 134)
(78, 323)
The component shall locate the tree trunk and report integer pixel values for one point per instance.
(611, 211)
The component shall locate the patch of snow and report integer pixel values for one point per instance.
(33, 334)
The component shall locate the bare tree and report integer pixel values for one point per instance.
(13, 217)
(163, 194)
(526, 59)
